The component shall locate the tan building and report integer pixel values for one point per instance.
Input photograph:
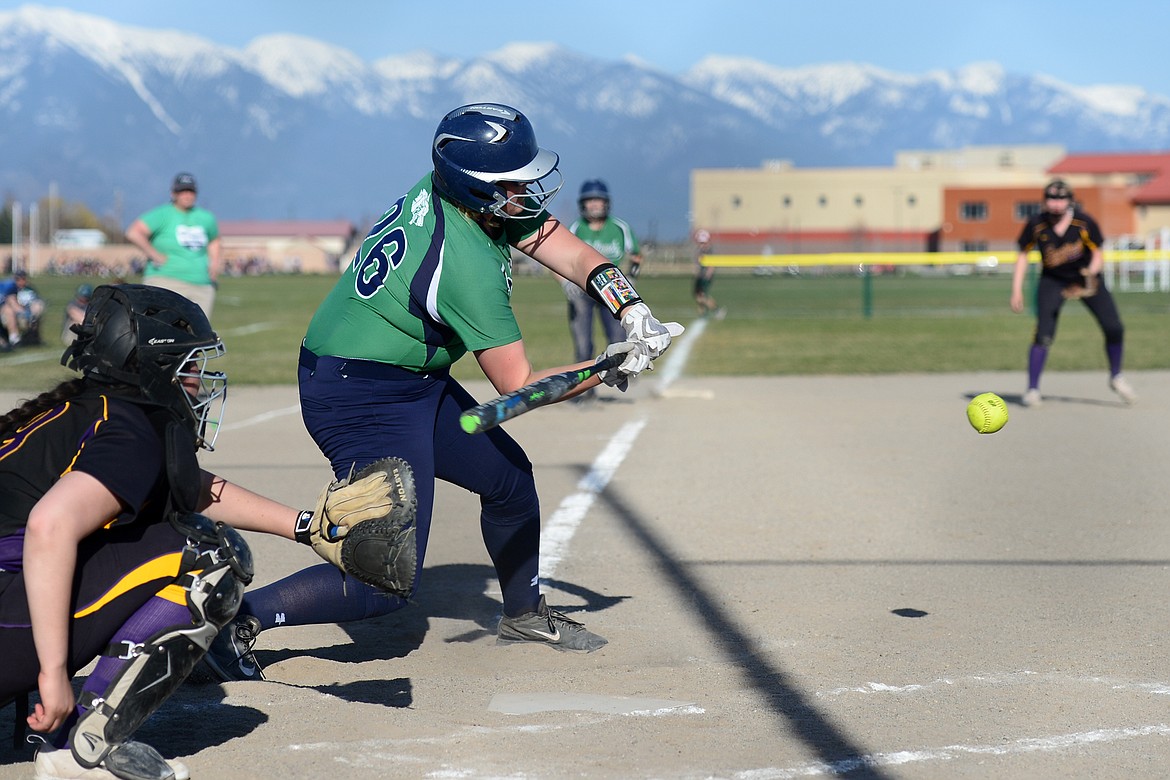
(972, 199)
(291, 246)
(781, 209)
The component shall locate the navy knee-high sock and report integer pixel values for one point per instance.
(318, 594)
(515, 551)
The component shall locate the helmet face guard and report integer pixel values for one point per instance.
(208, 401)
(479, 147)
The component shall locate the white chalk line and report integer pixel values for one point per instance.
(1002, 680)
(29, 357)
(246, 330)
(36, 357)
(675, 359)
(261, 418)
(950, 752)
(559, 529)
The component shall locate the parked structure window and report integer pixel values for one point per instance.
(1025, 210)
(973, 246)
(973, 211)
(823, 201)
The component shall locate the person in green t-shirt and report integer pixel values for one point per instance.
(181, 243)
(431, 282)
(615, 240)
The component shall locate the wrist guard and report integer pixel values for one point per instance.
(608, 286)
(302, 531)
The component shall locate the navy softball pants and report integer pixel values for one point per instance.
(359, 411)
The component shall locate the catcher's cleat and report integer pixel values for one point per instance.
(230, 656)
(1120, 385)
(130, 759)
(551, 628)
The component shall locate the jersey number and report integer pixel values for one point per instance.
(384, 256)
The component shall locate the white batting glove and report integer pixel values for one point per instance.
(642, 328)
(637, 360)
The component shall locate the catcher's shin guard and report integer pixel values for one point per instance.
(214, 580)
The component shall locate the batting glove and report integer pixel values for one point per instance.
(637, 360)
(642, 328)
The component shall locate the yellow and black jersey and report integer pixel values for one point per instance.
(107, 437)
(1062, 256)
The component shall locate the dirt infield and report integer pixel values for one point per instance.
(797, 576)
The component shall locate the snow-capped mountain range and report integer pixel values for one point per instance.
(290, 127)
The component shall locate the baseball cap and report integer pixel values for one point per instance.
(84, 291)
(184, 182)
(1057, 189)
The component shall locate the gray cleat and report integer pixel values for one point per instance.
(550, 627)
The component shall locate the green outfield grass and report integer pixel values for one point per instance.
(778, 324)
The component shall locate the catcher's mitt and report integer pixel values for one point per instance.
(365, 526)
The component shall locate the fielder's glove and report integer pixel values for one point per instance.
(1075, 292)
(637, 360)
(365, 526)
(641, 327)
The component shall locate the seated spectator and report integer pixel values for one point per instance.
(21, 311)
(75, 312)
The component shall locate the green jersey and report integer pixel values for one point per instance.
(615, 240)
(183, 237)
(426, 286)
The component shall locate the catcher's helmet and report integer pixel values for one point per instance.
(1058, 189)
(478, 146)
(590, 190)
(148, 340)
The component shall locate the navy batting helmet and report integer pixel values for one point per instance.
(478, 146)
(591, 190)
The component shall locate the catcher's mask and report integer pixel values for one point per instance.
(157, 344)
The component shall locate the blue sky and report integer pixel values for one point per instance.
(1079, 42)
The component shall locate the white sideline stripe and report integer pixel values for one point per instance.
(262, 418)
(558, 531)
(245, 330)
(20, 360)
(951, 752)
(676, 357)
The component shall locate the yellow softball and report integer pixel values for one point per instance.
(987, 413)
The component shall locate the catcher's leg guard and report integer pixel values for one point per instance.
(214, 580)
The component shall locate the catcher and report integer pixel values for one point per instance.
(130, 548)
(1069, 242)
